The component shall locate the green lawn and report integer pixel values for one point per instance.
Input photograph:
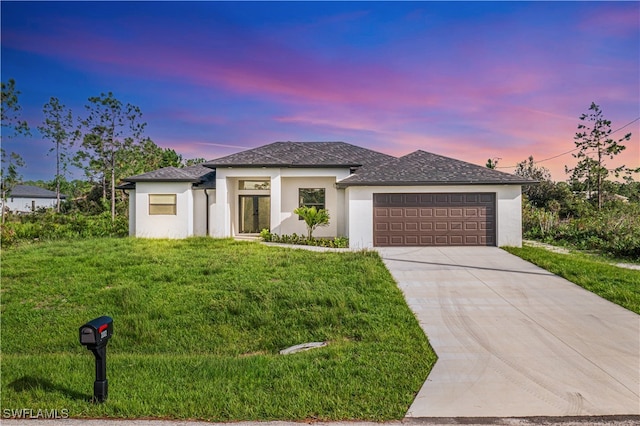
(618, 285)
(198, 324)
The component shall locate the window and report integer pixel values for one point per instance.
(254, 184)
(312, 197)
(162, 204)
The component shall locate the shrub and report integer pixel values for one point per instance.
(614, 230)
(48, 225)
(337, 242)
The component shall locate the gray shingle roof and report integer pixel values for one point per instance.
(371, 167)
(302, 154)
(420, 168)
(195, 174)
(29, 191)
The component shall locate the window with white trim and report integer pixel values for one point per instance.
(162, 204)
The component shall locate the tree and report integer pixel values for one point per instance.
(538, 194)
(112, 130)
(595, 144)
(492, 163)
(555, 197)
(10, 175)
(11, 123)
(313, 218)
(12, 126)
(194, 161)
(59, 128)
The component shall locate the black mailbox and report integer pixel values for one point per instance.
(96, 332)
(95, 335)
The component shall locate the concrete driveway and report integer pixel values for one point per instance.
(515, 340)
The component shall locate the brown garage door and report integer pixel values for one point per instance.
(451, 219)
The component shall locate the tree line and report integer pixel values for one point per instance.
(590, 177)
(589, 211)
(109, 142)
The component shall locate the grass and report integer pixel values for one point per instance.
(198, 324)
(596, 274)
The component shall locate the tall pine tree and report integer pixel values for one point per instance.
(595, 145)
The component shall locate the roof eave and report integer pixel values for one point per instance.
(431, 183)
(192, 180)
(288, 166)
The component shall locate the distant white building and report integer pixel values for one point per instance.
(27, 198)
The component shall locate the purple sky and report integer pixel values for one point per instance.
(466, 80)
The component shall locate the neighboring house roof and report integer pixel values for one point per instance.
(29, 191)
(420, 168)
(302, 154)
(195, 174)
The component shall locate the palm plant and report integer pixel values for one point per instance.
(313, 218)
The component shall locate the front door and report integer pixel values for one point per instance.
(255, 213)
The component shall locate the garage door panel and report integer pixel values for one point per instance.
(411, 240)
(396, 226)
(426, 212)
(411, 212)
(381, 241)
(380, 212)
(456, 226)
(456, 240)
(381, 226)
(441, 226)
(487, 198)
(397, 240)
(426, 226)
(426, 240)
(434, 219)
(411, 199)
(441, 212)
(471, 240)
(471, 212)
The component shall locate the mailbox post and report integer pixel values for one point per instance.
(95, 335)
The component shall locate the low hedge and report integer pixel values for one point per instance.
(337, 242)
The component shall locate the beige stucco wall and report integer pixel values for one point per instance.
(290, 193)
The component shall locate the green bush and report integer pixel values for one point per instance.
(48, 225)
(614, 230)
(337, 242)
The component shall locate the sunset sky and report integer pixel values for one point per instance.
(469, 80)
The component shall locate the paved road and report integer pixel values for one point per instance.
(611, 421)
(514, 340)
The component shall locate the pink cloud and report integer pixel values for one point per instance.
(621, 20)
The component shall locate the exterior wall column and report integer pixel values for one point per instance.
(276, 202)
(221, 227)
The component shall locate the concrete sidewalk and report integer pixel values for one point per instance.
(514, 340)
